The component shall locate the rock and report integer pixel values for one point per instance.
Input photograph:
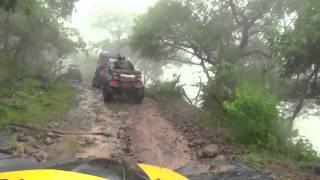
(19, 130)
(123, 114)
(22, 138)
(88, 141)
(29, 150)
(316, 169)
(31, 140)
(198, 142)
(211, 151)
(185, 129)
(82, 143)
(20, 149)
(53, 125)
(48, 141)
(51, 135)
(234, 157)
(40, 156)
(36, 146)
(200, 154)
(191, 144)
(220, 157)
(121, 134)
(101, 118)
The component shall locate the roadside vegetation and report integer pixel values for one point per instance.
(33, 45)
(27, 99)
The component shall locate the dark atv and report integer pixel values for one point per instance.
(125, 83)
(73, 72)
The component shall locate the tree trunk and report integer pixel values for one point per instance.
(302, 98)
(205, 70)
(314, 85)
(184, 94)
(6, 30)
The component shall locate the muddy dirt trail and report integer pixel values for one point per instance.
(137, 132)
(143, 132)
(154, 140)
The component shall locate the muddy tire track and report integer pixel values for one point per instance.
(154, 140)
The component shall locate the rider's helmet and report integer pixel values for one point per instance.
(121, 57)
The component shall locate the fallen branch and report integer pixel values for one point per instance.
(184, 94)
(61, 133)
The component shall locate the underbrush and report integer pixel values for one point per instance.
(26, 101)
(28, 95)
(166, 90)
(253, 120)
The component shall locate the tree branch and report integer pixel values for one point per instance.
(235, 13)
(185, 62)
(256, 51)
(302, 98)
(198, 94)
(186, 96)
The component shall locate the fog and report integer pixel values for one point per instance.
(89, 12)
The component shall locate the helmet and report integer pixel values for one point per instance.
(120, 57)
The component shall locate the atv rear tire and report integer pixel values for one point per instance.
(107, 94)
(139, 95)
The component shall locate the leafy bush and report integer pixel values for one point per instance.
(166, 89)
(301, 150)
(253, 119)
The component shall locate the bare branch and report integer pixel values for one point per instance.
(198, 94)
(235, 13)
(185, 62)
(186, 96)
(256, 51)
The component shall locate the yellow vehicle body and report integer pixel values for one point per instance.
(160, 173)
(153, 172)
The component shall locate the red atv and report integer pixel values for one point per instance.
(123, 82)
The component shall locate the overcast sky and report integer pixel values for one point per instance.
(87, 11)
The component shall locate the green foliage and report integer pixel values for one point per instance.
(221, 88)
(253, 117)
(40, 32)
(253, 120)
(258, 160)
(298, 47)
(27, 102)
(301, 150)
(166, 89)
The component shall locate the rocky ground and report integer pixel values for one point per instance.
(150, 133)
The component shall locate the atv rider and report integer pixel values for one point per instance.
(123, 64)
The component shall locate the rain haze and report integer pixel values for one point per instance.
(207, 89)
